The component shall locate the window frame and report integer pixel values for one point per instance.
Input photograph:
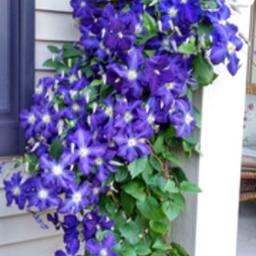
(21, 53)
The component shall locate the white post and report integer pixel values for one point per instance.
(219, 166)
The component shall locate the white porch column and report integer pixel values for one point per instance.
(219, 166)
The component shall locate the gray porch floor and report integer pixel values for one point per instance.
(247, 230)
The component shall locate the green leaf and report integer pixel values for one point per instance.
(149, 23)
(72, 52)
(173, 208)
(187, 48)
(56, 149)
(121, 174)
(180, 251)
(154, 162)
(209, 4)
(138, 166)
(135, 189)
(53, 49)
(127, 251)
(96, 82)
(159, 144)
(186, 186)
(161, 245)
(55, 65)
(127, 202)
(143, 248)
(171, 187)
(150, 209)
(32, 163)
(203, 71)
(159, 227)
(172, 157)
(130, 231)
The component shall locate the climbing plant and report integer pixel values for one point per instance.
(105, 133)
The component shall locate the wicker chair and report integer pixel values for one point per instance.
(248, 176)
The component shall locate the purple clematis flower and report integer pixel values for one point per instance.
(29, 121)
(103, 165)
(132, 144)
(120, 29)
(42, 196)
(86, 149)
(47, 121)
(226, 44)
(158, 71)
(127, 113)
(93, 221)
(71, 234)
(42, 90)
(181, 116)
(81, 7)
(14, 191)
(102, 249)
(153, 116)
(128, 78)
(182, 13)
(77, 198)
(57, 172)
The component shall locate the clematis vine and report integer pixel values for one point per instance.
(103, 132)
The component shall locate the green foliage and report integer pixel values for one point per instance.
(56, 149)
(32, 162)
(138, 166)
(203, 71)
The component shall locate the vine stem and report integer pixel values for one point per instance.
(164, 165)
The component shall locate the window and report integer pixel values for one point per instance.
(16, 70)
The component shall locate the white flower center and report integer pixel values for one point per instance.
(231, 47)
(157, 72)
(46, 118)
(172, 11)
(151, 119)
(31, 119)
(138, 28)
(188, 119)
(132, 142)
(72, 79)
(98, 161)
(57, 170)
(84, 152)
(39, 90)
(83, 4)
(77, 197)
(184, 1)
(76, 107)
(16, 191)
(171, 110)
(109, 111)
(103, 252)
(120, 35)
(132, 75)
(96, 191)
(127, 117)
(169, 86)
(42, 194)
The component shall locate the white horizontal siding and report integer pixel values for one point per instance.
(55, 27)
(53, 5)
(40, 247)
(19, 234)
(22, 228)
